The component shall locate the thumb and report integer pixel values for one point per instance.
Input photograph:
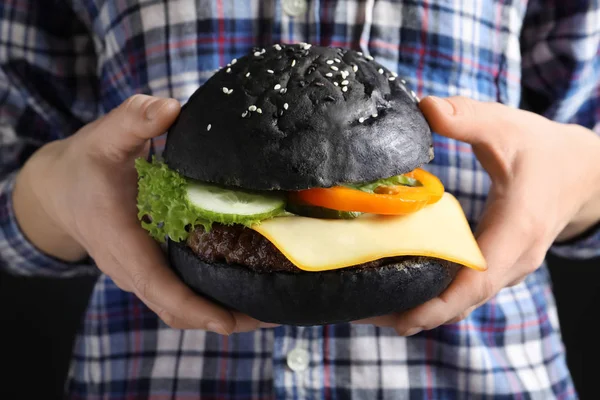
(464, 119)
(491, 128)
(125, 131)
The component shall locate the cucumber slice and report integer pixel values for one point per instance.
(320, 212)
(229, 206)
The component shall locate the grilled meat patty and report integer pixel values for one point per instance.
(239, 245)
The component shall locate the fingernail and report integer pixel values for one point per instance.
(153, 109)
(444, 105)
(216, 328)
(412, 331)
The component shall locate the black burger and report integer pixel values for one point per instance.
(291, 190)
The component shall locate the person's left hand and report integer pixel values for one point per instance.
(545, 185)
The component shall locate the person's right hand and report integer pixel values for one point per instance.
(77, 197)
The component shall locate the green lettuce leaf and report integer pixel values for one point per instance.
(391, 181)
(165, 208)
(162, 205)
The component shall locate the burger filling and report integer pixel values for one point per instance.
(358, 225)
(239, 245)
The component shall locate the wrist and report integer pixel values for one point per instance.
(589, 214)
(32, 193)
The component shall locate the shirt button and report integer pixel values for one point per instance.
(297, 359)
(294, 7)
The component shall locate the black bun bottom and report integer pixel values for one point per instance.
(315, 298)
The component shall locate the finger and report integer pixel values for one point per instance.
(245, 323)
(121, 279)
(169, 319)
(383, 321)
(112, 267)
(465, 119)
(503, 240)
(155, 282)
(469, 287)
(488, 127)
(505, 233)
(463, 315)
(125, 131)
(517, 281)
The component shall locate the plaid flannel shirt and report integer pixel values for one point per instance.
(64, 63)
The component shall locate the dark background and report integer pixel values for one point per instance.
(39, 317)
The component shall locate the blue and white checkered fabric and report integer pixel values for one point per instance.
(65, 63)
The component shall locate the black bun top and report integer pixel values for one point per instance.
(299, 116)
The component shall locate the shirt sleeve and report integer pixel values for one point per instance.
(560, 47)
(48, 90)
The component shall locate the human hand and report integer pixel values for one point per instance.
(545, 185)
(77, 196)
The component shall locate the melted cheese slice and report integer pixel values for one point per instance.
(439, 230)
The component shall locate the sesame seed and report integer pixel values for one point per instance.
(345, 74)
(277, 47)
(257, 53)
(329, 75)
(345, 89)
(283, 91)
(208, 127)
(286, 106)
(330, 62)
(244, 114)
(320, 84)
(336, 84)
(370, 58)
(225, 90)
(345, 82)
(262, 51)
(355, 68)
(270, 71)
(337, 60)
(391, 78)
(403, 81)
(374, 115)
(359, 53)
(230, 91)
(395, 75)
(333, 67)
(258, 110)
(228, 70)
(307, 46)
(248, 75)
(233, 61)
(277, 87)
(380, 70)
(252, 108)
(293, 63)
(361, 120)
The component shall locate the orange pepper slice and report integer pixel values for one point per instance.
(395, 200)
